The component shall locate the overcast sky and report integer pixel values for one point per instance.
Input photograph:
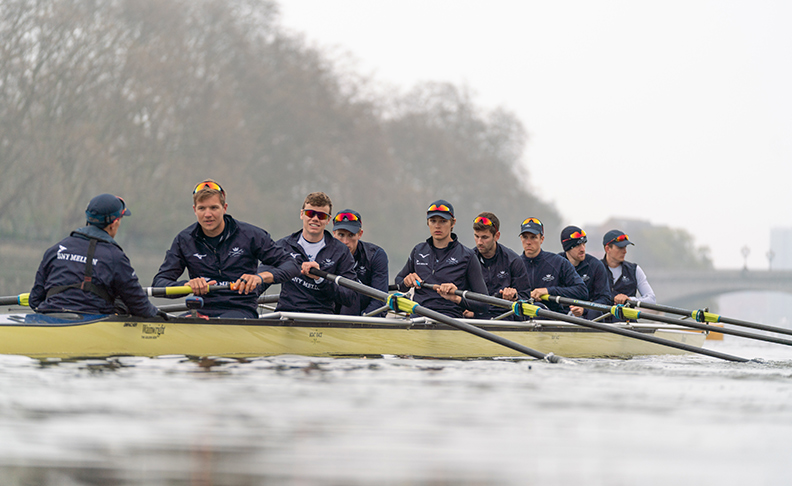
(676, 112)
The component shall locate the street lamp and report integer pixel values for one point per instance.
(745, 252)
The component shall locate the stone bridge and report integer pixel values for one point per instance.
(691, 288)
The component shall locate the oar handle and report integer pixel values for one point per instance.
(180, 290)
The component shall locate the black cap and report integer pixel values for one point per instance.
(616, 237)
(532, 225)
(572, 236)
(441, 208)
(104, 209)
(347, 219)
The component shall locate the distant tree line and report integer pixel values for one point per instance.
(144, 98)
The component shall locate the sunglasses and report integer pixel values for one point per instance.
(576, 235)
(344, 217)
(208, 185)
(435, 207)
(124, 209)
(483, 220)
(320, 215)
(532, 220)
(619, 239)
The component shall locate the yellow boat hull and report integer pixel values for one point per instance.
(317, 335)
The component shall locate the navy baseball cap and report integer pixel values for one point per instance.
(616, 237)
(441, 208)
(572, 236)
(106, 208)
(532, 225)
(347, 219)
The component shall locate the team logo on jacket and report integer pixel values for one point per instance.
(236, 251)
(326, 263)
(61, 248)
(585, 277)
(423, 256)
(199, 256)
(452, 261)
(502, 274)
(294, 255)
(625, 279)
(548, 278)
(418, 262)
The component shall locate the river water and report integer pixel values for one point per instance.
(294, 420)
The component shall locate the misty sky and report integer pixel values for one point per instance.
(676, 112)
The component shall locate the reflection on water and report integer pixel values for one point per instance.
(307, 421)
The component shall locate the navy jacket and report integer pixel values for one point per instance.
(243, 245)
(304, 294)
(627, 283)
(557, 275)
(455, 264)
(504, 270)
(64, 264)
(371, 268)
(598, 283)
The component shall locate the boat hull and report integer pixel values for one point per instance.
(316, 335)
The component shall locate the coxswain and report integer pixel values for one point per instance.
(88, 272)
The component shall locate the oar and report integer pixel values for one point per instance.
(524, 308)
(21, 299)
(703, 316)
(178, 290)
(629, 313)
(406, 305)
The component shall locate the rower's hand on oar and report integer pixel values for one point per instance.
(247, 283)
(508, 293)
(468, 314)
(412, 280)
(620, 299)
(306, 270)
(536, 294)
(576, 311)
(448, 292)
(200, 285)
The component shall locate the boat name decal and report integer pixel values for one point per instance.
(548, 278)
(153, 332)
(315, 336)
(130, 324)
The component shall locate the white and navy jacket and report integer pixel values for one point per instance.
(304, 294)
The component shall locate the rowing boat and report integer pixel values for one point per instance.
(74, 336)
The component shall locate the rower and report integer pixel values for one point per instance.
(314, 247)
(88, 272)
(443, 260)
(371, 261)
(504, 272)
(219, 249)
(628, 279)
(591, 270)
(548, 273)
